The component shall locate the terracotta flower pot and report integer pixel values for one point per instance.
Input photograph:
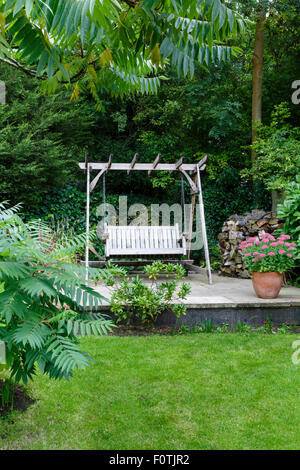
(267, 285)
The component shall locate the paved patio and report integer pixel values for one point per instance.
(226, 292)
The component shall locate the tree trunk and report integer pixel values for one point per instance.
(257, 77)
(277, 198)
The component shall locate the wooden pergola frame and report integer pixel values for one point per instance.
(191, 172)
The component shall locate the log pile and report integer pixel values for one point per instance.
(237, 229)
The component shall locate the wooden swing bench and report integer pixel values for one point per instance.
(136, 241)
(140, 244)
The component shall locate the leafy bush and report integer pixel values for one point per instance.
(290, 211)
(208, 326)
(277, 150)
(242, 327)
(134, 300)
(44, 300)
(41, 138)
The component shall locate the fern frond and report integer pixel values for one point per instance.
(13, 269)
(44, 301)
(66, 356)
(12, 303)
(32, 332)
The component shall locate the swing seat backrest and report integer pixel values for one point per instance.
(143, 241)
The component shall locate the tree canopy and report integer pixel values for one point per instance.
(43, 137)
(114, 46)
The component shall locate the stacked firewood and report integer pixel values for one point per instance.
(237, 229)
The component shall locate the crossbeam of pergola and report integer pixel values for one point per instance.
(141, 166)
(185, 169)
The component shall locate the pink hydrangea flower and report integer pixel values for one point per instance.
(255, 253)
(274, 243)
(293, 244)
(280, 242)
(264, 247)
(281, 252)
(257, 242)
(247, 254)
(289, 255)
(291, 248)
(262, 255)
(271, 253)
(265, 240)
(269, 236)
(284, 237)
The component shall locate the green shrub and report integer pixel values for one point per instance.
(134, 300)
(7, 392)
(277, 150)
(43, 304)
(42, 138)
(242, 327)
(224, 328)
(290, 211)
(208, 326)
(268, 325)
(283, 329)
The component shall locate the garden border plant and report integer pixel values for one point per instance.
(241, 327)
(134, 300)
(43, 301)
(290, 211)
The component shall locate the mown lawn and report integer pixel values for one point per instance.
(205, 391)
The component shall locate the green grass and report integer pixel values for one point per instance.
(168, 392)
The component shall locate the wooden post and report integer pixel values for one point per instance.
(183, 203)
(87, 220)
(204, 234)
(103, 189)
(191, 221)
